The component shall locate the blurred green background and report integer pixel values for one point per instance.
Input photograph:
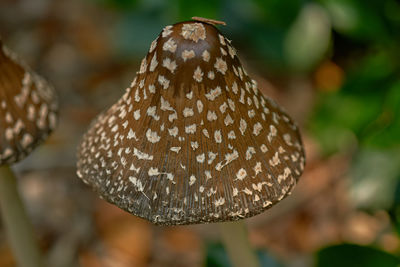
(333, 64)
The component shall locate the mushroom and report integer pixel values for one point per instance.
(192, 140)
(28, 113)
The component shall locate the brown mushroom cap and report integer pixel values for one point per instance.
(28, 108)
(192, 140)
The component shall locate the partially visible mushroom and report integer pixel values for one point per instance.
(28, 113)
(192, 140)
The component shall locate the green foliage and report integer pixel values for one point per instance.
(277, 13)
(362, 20)
(340, 118)
(308, 38)
(375, 174)
(217, 257)
(394, 210)
(204, 8)
(385, 130)
(129, 37)
(350, 255)
(119, 4)
(365, 110)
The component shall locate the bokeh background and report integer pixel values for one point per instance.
(333, 64)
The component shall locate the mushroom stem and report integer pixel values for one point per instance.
(16, 222)
(235, 239)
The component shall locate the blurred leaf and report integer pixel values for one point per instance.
(394, 211)
(385, 130)
(350, 255)
(279, 13)
(358, 19)
(258, 29)
(205, 8)
(392, 11)
(119, 4)
(374, 177)
(366, 106)
(217, 257)
(267, 260)
(308, 38)
(344, 15)
(372, 73)
(260, 43)
(266, 43)
(135, 31)
(339, 117)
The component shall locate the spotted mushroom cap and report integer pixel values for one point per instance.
(28, 108)
(192, 140)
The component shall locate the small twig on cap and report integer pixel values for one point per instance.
(210, 21)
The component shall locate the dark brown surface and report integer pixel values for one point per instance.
(150, 152)
(28, 108)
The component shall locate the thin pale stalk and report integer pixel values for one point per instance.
(18, 227)
(235, 239)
